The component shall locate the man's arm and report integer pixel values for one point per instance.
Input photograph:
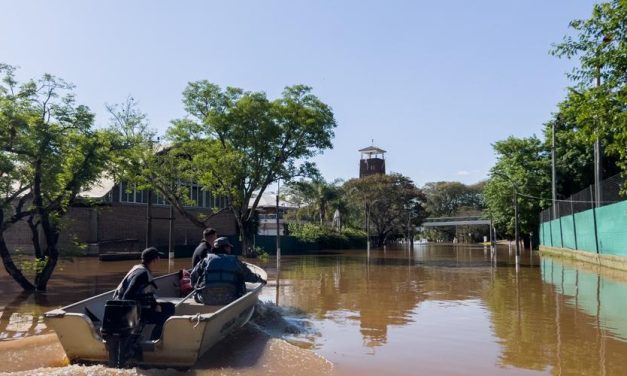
(197, 272)
(135, 290)
(249, 276)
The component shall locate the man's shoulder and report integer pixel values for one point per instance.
(202, 245)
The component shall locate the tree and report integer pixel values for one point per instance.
(596, 102)
(146, 165)
(523, 164)
(240, 142)
(318, 196)
(391, 200)
(449, 198)
(49, 153)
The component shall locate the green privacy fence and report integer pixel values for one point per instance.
(600, 230)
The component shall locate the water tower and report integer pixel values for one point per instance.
(372, 161)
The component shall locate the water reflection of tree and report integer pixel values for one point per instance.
(16, 321)
(378, 294)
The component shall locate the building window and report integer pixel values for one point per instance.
(201, 198)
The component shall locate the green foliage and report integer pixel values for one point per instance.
(327, 237)
(450, 199)
(446, 199)
(240, 142)
(394, 202)
(522, 163)
(49, 153)
(261, 253)
(596, 102)
(32, 265)
(318, 198)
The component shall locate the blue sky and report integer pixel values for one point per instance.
(434, 83)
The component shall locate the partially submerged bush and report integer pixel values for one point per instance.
(327, 237)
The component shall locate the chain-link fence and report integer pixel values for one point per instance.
(610, 193)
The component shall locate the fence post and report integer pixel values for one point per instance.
(559, 218)
(594, 217)
(572, 212)
(551, 229)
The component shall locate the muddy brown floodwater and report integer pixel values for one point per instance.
(436, 310)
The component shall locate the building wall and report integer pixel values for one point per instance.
(121, 227)
(371, 166)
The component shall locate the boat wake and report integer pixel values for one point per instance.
(286, 323)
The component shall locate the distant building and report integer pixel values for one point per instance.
(267, 211)
(372, 161)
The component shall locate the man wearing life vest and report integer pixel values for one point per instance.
(220, 277)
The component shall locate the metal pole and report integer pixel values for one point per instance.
(171, 234)
(149, 220)
(553, 173)
(597, 159)
(278, 228)
(516, 227)
(408, 224)
(367, 228)
(572, 212)
(594, 217)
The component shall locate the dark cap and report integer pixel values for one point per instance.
(150, 254)
(223, 241)
(208, 231)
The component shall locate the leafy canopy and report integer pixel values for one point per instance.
(239, 142)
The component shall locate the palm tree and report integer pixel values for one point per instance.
(318, 195)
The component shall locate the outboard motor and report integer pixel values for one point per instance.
(121, 330)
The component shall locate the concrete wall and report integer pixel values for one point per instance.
(597, 235)
(602, 231)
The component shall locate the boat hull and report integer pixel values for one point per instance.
(187, 335)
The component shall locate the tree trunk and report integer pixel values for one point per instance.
(9, 265)
(35, 237)
(246, 234)
(52, 238)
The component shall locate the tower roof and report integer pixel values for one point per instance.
(372, 150)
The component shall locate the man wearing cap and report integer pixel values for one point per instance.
(220, 277)
(138, 285)
(209, 235)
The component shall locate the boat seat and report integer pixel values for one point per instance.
(176, 301)
(192, 307)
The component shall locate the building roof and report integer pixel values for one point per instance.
(268, 200)
(98, 189)
(372, 150)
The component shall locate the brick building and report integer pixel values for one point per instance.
(115, 220)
